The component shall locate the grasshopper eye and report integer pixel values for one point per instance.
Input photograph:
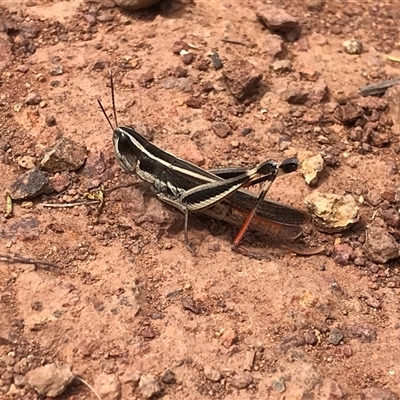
(123, 143)
(268, 168)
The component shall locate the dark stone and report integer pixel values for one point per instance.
(168, 377)
(189, 304)
(335, 336)
(216, 61)
(66, 155)
(29, 185)
(241, 78)
(33, 99)
(194, 102)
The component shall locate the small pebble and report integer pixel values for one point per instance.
(282, 66)
(250, 356)
(148, 332)
(27, 204)
(241, 78)
(22, 68)
(100, 65)
(207, 87)
(179, 46)
(50, 120)
(194, 102)
(56, 71)
(188, 58)
(149, 386)
(60, 181)
(108, 386)
(181, 72)
(335, 336)
(66, 155)
(189, 304)
(246, 131)
(27, 162)
(211, 374)
(201, 65)
(242, 380)
(51, 379)
(343, 253)
(311, 169)
(90, 19)
(352, 46)
(284, 142)
(130, 375)
(311, 338)
(279, 386)
(216, 61)
(168, 377)
(105, 16)
(228, 338)
(40, 78)
(19, 381)
(221, 129)
(372, 302)
(380, 246)
(33, 99)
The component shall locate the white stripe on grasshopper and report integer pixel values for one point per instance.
(138, 145)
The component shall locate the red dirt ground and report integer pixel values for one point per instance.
(128, 298)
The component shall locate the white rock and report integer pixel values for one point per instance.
(108, 386)
(352, 46)
(149, 386)
(211, 374)
(311, 168)
(27, 162)
(51, 379)
(331, 212)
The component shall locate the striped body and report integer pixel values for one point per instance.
(216, 193)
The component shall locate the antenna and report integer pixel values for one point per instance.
(113, 98)
(105, 114)
(113, 104)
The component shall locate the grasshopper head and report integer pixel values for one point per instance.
(268, 168)
(126, 152)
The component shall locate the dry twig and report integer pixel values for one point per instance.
(235, 42)
(23, 260)
(89, 386)
(378, 88)
(68, 205)
(125, 185)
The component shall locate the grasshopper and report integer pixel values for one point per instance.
(218, 193)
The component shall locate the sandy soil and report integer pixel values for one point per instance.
(127, 299)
